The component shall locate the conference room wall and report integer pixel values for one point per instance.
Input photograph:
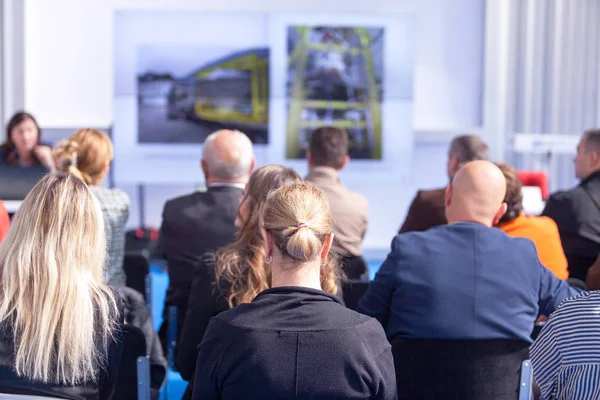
(69, 82)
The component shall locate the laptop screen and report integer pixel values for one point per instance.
(15, 182)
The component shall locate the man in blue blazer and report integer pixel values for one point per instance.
(464, 280)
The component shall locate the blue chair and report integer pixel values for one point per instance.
(172, 336)
(143, 378)
(526, 386)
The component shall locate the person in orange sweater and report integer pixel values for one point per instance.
(542, 231)
(4, 221)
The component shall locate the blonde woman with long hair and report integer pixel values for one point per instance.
(58, 321)
(234, 274)
(87, 155)
(295, 340)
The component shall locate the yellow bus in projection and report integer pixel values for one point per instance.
(233, 91)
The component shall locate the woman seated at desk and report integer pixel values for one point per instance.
(23, 147)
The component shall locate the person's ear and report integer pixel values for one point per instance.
(308, 157)
(326, 246)
(454, 166)
(594, 158)
(346, 160)
(204, 166)
(268, 242)
(499, 214)
(448, 196)
(252, 164)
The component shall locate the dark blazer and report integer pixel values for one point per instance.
(103, 389)
(577, 214)
(206, 301)
(426, 211)
(294, 343)
(462, 281)
(192, 225)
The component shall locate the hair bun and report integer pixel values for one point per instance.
(65, 154)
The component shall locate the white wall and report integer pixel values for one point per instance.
(69, 80)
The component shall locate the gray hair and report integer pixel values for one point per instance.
(468, 148)
(222, 169)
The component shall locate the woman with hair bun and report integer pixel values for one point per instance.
(295, 340)
(87, 155)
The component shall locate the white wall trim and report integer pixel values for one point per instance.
(13, 59)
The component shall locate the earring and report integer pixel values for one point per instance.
(269, 259)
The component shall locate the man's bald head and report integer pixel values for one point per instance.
(227, 156)
(476, 194)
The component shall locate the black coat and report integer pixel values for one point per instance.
(191, 226)
(206, 301)
(294, 343)
(103, 389)
(577, 214)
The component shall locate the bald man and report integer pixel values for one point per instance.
(202, 221)
(464, 280)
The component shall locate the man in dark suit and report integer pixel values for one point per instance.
(577, 211)
(202, 221)
(464, 280)
(427, 208)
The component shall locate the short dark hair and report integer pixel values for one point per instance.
(514, 196)
(328, 147)
(592, 140)
(468, 148)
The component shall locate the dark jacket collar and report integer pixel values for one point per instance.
(593, 177)
(302, 293)
(233, 189)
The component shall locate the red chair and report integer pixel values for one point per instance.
(535, 178)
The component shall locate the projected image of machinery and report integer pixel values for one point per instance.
(231, 92)
(335, 79)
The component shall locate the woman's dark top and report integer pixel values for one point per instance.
(206, 300)
(12, 158)
(294, 343)
(103, 389)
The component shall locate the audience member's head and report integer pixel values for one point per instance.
(227, 157)
(22, 136)
(241, 264)
(297, 227)
(464, 149)
(587, 161)
(53, 299)
(514, 195)
(328, 148)
(476, 194)
(87, 155)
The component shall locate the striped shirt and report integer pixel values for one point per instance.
(566, 355)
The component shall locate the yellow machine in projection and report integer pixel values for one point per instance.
(334, 82)
(233, 90)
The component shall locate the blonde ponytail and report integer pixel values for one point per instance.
(299, 218)
(84, 155)
(65, 158)
(302, 244)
